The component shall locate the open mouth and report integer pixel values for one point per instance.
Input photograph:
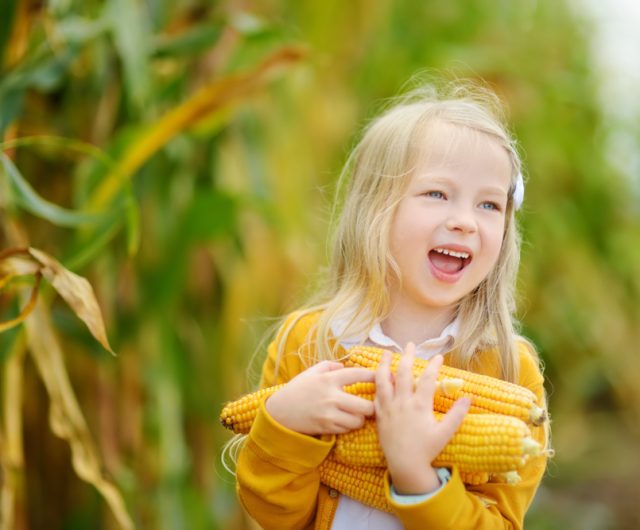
(449, 261)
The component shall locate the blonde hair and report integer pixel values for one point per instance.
(372, 183)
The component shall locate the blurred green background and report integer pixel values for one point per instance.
(182, 155)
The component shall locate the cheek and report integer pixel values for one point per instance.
(401, 231)
(493, 242)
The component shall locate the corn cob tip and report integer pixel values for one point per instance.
(510, 477)
(537, 415)
(449, 386)
(531, 447)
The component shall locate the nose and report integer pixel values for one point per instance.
(461, 219)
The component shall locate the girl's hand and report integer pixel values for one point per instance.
(314, 402)
(409, 434)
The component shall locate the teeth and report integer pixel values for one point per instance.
(461, 255)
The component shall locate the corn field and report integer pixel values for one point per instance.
(166, 177)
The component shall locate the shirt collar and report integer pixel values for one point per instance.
(376, 337)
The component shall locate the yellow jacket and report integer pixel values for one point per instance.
(277, 470)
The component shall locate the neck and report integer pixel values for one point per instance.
(409, 324)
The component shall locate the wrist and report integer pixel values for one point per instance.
(279, 411)
(272, 406)
(414, 482)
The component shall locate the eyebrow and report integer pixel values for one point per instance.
(434, 179)
(494, 189)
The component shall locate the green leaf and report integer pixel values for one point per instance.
(59, 8)
(61, 142)
(48, 77)
(83, 252)
(11, 102)
(43, 71)
(210, 215)
(6, 25)
(80, 30)
(130, 31)
(258, 42)
(193, 41)
(24, 196)
(132, 216)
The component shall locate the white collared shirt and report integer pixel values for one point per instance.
(351, 514)
(376, 337)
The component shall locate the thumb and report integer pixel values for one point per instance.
(452, 419)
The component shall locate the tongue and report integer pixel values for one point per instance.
(445, 263)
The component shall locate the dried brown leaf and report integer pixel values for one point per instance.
(18, 266)
(11, 266)
(65, 416)
(76, 291)
(11, 446)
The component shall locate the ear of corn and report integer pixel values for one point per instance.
(364, 484)
(485, 443)
(239, 415)
(488, 394)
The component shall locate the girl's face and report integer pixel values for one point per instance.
(447, 230)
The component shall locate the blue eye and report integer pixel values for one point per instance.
(488, 205)
(435, 194)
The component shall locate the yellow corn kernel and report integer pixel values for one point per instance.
(487, 443)
(488, 394)
(367, 390)
(474, 478)
(239, 415)
(364, 484)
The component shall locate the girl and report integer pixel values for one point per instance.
(426, 251)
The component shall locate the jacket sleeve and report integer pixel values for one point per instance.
(277, 468)
(491, 505)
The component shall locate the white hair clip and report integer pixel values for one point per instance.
(518, 192)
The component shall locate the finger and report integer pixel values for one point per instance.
(404, 375)
(452, 419)
(356, 405)
(426, 385)
(384, 388)
(345, 422)
(348, 376)
(324, 366)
